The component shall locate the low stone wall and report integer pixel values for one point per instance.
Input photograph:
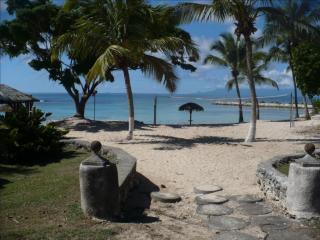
(272, 182)
(126, 166)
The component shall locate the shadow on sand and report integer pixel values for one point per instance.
(175, 143)
(138, 201)
(88, 125)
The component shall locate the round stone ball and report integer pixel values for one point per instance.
(96, 146)
(309, 148)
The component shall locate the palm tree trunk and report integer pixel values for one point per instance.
(253, 123)
(80, 108)
(258, 110)
(130, 102)
(314, 110)
(190, 117)
(294, 84)
(239, 99)
(306, 110)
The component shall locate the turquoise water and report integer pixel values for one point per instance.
(115, 107)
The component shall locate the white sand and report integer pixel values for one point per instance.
(183, 157)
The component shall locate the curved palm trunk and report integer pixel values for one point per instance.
(239, 99)
(253, 123)
(294, 84)
(130, 102)
(306, 110)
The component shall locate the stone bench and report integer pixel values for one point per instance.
(126, 167)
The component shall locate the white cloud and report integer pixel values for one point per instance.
(3, 6)
(283, 77)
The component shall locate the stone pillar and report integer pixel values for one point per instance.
(99, 186)
(303, 193)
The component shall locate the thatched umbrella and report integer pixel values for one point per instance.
(191, 107)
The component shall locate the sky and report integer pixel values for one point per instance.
(17, 73)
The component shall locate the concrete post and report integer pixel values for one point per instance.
(303, 193)
(99, 186)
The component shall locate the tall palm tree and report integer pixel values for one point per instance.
(230, 52)
(261, 62)
(244, 13)
(125, 35)
(286, 24)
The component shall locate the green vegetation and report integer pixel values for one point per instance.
(32, 31)
(43, 202)
(283, 168)
(25, 140)
(287, 24)
(306, 62)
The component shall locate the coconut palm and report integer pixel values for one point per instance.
(244, 13)
(260, 64)
(230, 52)
(124, 35)
(286, 24)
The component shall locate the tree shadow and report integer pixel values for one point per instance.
(138, 201)
(92, 126)
(307, 140)
(30, 159)
(3, 182)
(9, 170)
(176, 143)
(214, 125)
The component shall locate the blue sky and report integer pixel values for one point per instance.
(17, 73)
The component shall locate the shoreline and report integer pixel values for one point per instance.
(261, 104)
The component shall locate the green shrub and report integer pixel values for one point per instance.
(24, 139)
(316, 104)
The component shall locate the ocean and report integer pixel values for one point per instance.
(114, 106)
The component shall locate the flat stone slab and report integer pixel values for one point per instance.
(254, 208)
(248, 198)
(210, 198)
(234, 236)
(205, 189)
(226, 223)
(270, 223)
(290, 234)
(165, 197)
(214, 210)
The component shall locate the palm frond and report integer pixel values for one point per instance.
(159, 70)
(108, 60)
(230, 84)
(211, 59)
(189, 12)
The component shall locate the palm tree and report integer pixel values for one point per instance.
(285, 25)
(125, 35)
(244, 13)
(230, 53)
(260, 63)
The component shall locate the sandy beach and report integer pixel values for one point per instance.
(181, 157)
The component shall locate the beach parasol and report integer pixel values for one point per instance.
(190, 106)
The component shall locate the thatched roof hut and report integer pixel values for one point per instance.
(14, 98)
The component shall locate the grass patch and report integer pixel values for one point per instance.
(43, 202)
(283, 168)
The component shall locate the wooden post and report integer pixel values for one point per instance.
(291, 111)
(94, 104)
(155, 111)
